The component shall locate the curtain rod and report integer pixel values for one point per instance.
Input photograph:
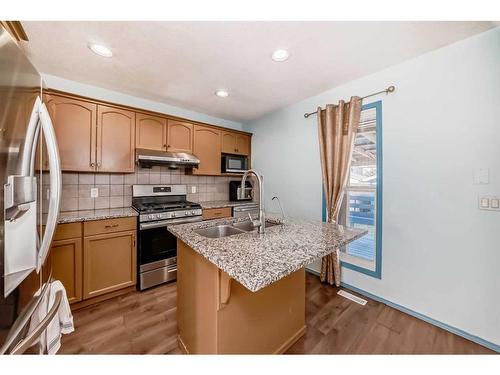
(387, 91)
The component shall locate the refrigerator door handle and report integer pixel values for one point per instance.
(30, 142)
(55, 184)
(24, 318)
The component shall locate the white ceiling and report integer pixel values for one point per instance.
(183, 63)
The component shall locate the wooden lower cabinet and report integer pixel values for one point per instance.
(91, 262)
(216, 213)
(67, 266)
(109, 263)
(218, 315)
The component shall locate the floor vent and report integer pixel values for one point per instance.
(352, 297)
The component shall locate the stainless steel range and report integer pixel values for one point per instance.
(159, 206)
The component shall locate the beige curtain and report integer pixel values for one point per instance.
(337, 126)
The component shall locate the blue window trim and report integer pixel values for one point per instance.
(378, 241)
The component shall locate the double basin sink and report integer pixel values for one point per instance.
(224, 230)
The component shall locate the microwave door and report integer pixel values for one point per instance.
(235, 164)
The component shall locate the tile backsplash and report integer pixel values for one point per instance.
(115, 190)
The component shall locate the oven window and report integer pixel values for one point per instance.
(234, 163)
(156, 244)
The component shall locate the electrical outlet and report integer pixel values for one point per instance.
(94, 192)
(193, 189)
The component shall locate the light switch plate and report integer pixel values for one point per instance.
(489, 203)
(94, 192)
(193, 189)
(481, 176)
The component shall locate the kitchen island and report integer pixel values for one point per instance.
(245, 293)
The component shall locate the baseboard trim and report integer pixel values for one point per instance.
(182, 346)
(456, 331)
(292, 340)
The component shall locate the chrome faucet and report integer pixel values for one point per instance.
(261, 222)
(281, 207)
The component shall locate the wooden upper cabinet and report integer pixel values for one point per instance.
(150, 132)
(242, 144)
(179, 136)
(207, 147)
(74, 123)
(115, 139)
(228, 142)
(235, 143)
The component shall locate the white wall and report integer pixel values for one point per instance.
(95, 92)
(441, 255)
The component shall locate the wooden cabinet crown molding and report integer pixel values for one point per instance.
(141, 110)
(15, 29)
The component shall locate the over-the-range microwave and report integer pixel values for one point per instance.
(234, 163)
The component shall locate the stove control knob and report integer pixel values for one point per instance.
(193, 212)
(186, 213)
(173, 214)
(150, 217)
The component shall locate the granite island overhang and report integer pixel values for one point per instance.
(245, 293)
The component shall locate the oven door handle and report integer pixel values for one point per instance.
(164, 223)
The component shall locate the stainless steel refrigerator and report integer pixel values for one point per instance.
(30, 179)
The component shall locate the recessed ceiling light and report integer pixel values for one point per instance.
(280, 55)
(100, 50)
(222, 93)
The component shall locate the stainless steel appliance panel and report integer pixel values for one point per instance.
(29, 194)
(234, 163)
(245, 209)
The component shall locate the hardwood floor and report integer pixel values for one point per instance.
(336, 325)
(136, 323)
(145, 323)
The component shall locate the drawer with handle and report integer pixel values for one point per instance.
(67, 231)
(216, 213)
(91, 228)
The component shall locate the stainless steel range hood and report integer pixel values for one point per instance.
(174, 160)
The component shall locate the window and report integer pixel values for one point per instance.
(362, 204)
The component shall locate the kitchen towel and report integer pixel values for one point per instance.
(62, 323)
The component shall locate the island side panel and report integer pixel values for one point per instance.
(264, 322)
(197, 293)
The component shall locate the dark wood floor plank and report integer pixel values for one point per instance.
(145, 323)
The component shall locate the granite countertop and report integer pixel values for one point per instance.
(222, 204)
(255, 260)
(89, 215)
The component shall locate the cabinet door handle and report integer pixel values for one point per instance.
(92, 165)
(98, 165)
(111, 226)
